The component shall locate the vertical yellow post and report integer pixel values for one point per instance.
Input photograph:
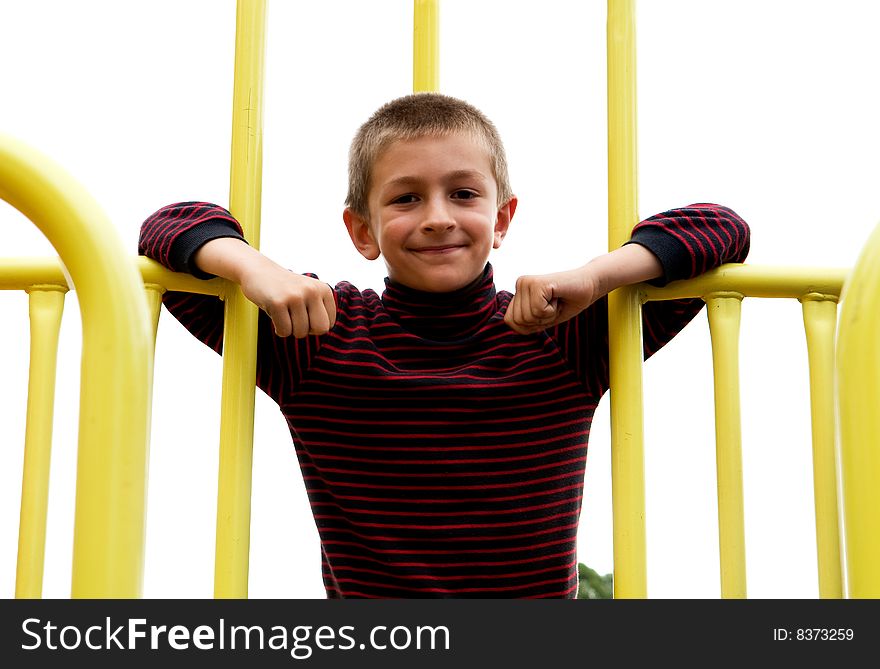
(153, 293)
(858, 388)
(426, 46)
(820, 321)
(46, 304)
(240, 332)
(724, 318)
(624, 311)
(108, 543)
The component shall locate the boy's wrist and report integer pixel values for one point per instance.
(627, 265)
(596, 275)
(229, 258)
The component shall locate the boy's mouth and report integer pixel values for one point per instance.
(440, 249)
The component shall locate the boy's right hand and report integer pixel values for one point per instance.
(297, 304)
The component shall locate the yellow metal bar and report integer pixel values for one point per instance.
(747, 280)
(240, 331)
(820, 322)
(624, 313)
(23, 272)
(754, 281)
(153, 273)
(45, 305)
(724, 318)
(154, 293)
(858, 387)
(111, 465)
(426, 46)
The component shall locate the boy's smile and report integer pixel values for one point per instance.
(434, 215)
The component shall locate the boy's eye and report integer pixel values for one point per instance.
(463, 194)
(404, 199)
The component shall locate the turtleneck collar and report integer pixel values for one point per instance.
(439, 316)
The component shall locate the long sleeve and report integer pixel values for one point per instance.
(688, 242)
(171, 236)
(692, 240)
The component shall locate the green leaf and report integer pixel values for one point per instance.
(593, 586)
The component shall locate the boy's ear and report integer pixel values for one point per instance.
(502, 221)
(361, 236)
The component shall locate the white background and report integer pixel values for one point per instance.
(767, 106)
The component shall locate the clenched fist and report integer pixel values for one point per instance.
(297, 304)
(543, 301)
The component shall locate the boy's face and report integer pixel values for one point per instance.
(433, 212)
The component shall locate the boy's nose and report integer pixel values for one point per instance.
(437, 219)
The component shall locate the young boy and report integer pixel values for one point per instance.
(441, 427)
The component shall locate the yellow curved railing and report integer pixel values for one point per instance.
(858, 381)
(117, 353)
(114, 400)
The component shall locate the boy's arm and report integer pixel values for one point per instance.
(297, 304)
(543, 301)
(684, 242)
(203, 239)
(677, 244)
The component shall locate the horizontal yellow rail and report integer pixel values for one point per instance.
(746, 280)
(22, 273)
(754, 281)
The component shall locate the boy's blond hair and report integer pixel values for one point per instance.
(410, 117)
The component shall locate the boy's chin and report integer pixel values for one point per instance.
(440, 283)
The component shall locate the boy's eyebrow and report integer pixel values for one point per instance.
(466, 174)
(451, 176)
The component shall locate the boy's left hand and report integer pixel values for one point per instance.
(540, 302)
(543, 301)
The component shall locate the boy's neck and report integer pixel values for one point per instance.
(442, 316)
(485, 276)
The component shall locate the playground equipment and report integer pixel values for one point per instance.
(110, 563)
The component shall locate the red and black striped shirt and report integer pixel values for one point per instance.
(442, 452)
